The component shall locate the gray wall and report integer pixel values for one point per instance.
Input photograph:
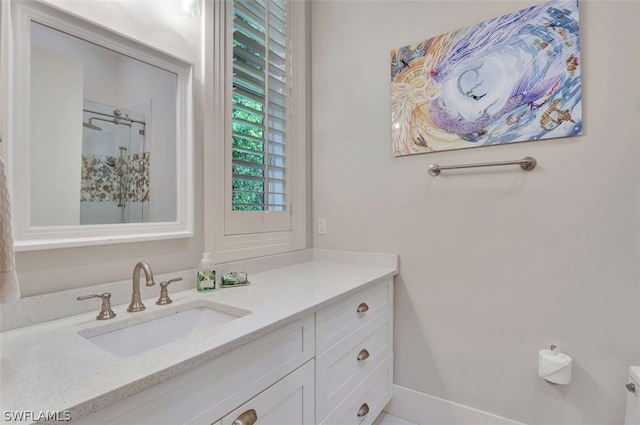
(494, 264)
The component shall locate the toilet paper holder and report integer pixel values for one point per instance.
(554, 366)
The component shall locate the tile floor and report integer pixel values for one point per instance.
(387, 419)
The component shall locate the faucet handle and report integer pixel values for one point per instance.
(164, 292)
(105, 310)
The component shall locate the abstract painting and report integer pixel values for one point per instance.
(510, 79)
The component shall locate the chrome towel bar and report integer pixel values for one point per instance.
(527, 163)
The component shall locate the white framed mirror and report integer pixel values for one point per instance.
(98, 133)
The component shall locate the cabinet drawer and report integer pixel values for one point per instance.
(289, 401)
(206, 393)
(338, 321)
(344, 367)
(365, 404)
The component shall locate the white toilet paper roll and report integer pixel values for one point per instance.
(554, 366)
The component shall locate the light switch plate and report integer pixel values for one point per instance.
(322, 226)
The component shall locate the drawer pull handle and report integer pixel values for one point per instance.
(364, 409)
(631, 387)
(247, 418)
(363, 354)
(363, 308)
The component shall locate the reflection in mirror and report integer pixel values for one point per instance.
(115, 168)
(102, 134)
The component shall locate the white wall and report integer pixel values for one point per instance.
(498, 263)
(56, 154)
(158, 25)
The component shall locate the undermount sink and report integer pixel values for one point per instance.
(138, 337)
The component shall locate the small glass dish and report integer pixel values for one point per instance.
(234, 279)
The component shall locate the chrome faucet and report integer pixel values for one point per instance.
(136, 301)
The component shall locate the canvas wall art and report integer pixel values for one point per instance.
(511, 79)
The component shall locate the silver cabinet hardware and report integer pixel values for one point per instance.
(247, 418)
(364, 409)
(136, 301)
(631, 387)
(362, 308)
(105, 310)
(164, 293)
(363, 354)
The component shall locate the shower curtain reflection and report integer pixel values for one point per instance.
(115, 166)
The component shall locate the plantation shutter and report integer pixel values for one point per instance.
(259, 105)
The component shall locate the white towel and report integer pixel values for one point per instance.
(9, 288)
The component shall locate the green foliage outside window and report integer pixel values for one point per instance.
(248, 180)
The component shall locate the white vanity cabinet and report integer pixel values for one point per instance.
(206, 394)
(288, 401)
(354, 364)
(334, 367)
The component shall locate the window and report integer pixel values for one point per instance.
(256, 202)
(260, 93)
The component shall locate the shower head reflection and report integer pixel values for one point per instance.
(91, 126)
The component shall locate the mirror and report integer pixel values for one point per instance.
(100, 138)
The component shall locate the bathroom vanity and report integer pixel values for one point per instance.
(309, 343)
(306, 342)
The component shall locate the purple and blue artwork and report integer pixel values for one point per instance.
(511, 79)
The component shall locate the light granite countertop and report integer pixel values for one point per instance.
(50, 367)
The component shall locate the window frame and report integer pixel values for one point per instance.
(234, 235)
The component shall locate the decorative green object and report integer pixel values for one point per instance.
(234, 279)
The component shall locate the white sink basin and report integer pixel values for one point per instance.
(138, 337)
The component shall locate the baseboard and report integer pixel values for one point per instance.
(424, 409)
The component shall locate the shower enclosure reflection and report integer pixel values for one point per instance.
(111, 142)
(115, 175)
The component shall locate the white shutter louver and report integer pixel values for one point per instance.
(259, 111)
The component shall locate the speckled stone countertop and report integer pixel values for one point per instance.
(50, 367)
